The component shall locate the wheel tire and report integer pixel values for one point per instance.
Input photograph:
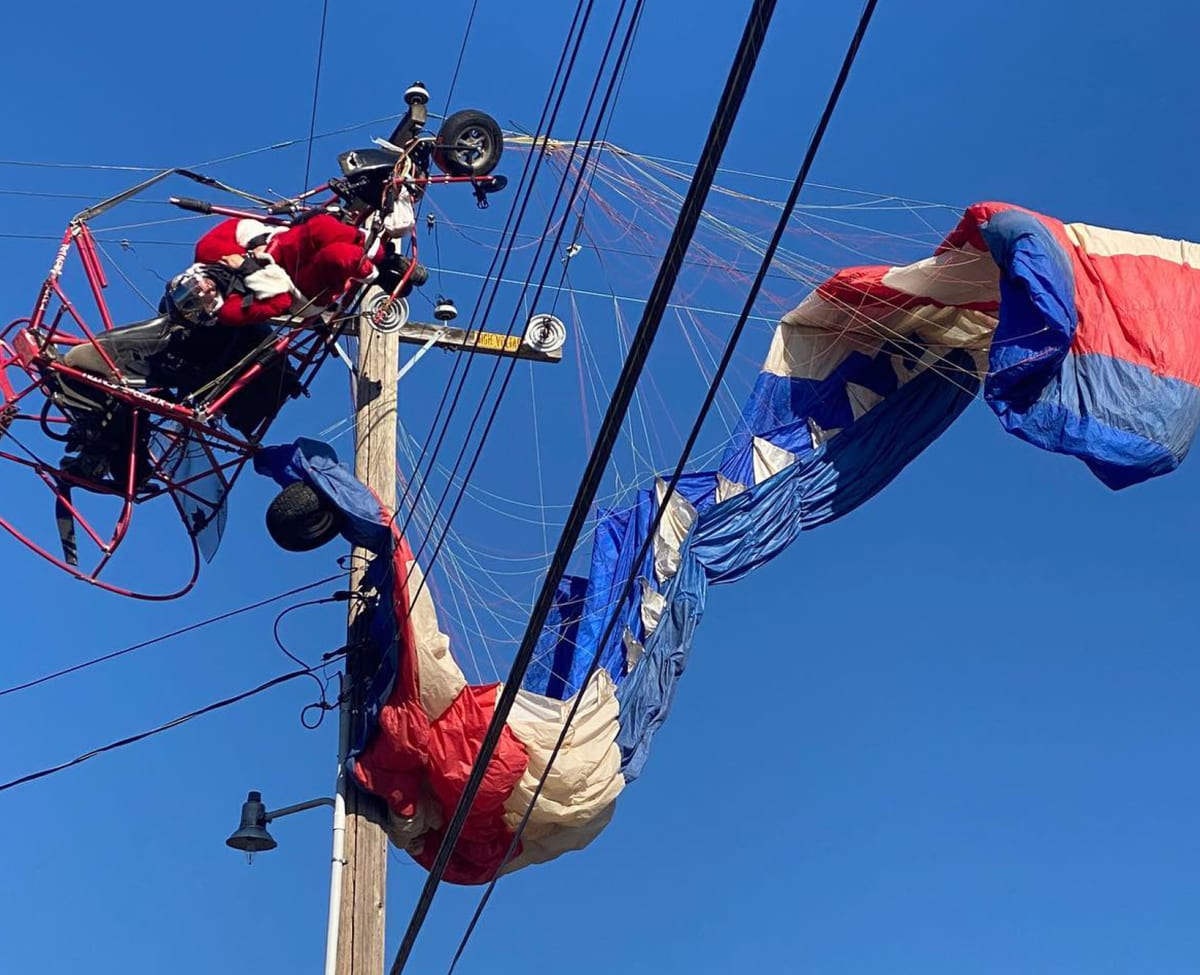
(469, 143)
(300, 520)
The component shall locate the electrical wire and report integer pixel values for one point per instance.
(731, 98)
(553, 252)
(142, 736)
(312, 123)
(462, 50)
(714, 387)
(499, 262)
(321, 705)
(114, 654)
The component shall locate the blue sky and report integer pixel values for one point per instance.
(951, 733)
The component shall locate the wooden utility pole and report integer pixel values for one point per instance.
(364, 874)
(358, 897)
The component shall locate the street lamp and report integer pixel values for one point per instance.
(251, 836)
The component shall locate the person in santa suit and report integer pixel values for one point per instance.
(245, 273)
(217, 311)
(314, 260)
(299, 269)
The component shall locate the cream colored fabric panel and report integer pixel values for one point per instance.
(547, 842)
(586, 776)
(653, 604)
(861, 399)
(769, 460)
(819, 333)
(672, 530)
(408, 832)
(727, 489)
(812, 339)
(1103, 242)
(438, 675)
(956, 277)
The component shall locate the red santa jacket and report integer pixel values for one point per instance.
(309, 265)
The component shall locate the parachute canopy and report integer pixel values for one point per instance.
(1083, 341)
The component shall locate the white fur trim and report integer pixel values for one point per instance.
(248, 229)
(402, 218)
(269, 281)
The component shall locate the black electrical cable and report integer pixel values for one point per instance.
(503, 251)
(462, 50)
(312, 123)
(714, 386)
(114, 654)
(714, 145)
(322, 703)
(512, 363)
(142, 736)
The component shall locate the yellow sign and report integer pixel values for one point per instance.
(494, 341)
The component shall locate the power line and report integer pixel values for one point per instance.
(500, 257)
(312, 123)
(714, 386)
(613, 79)
(731, 98)
(113, 655)
(173, 723)
(462, 50)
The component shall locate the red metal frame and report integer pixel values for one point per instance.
(30, 365)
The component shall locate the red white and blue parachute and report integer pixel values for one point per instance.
(1083, 341)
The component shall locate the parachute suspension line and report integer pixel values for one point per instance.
(579, 349)
(437, 244)
(312, 122)
(668, 273)
(703, 367)
(710, 396)
(603, 110)
(516, 215)
(537, 456)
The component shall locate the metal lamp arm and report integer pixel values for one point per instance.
(298, 807)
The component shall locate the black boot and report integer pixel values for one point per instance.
(392, 270)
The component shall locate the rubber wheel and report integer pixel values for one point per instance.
(469, 143)
(300, 520)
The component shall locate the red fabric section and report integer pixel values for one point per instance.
(410, 756)
(1162, 297)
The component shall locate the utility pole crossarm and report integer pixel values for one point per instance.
(477, 341)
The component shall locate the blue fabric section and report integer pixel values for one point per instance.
(645, 697)
(730, 539)
(554, 657)
(1037, 319)
(779, 407)
(1123, 421)
(564, 655)
(619, 535)
(316, 462)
